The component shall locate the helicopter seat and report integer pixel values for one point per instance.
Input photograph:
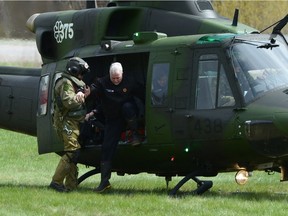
(91, 133)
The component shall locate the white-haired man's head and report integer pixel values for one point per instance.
(116, 73)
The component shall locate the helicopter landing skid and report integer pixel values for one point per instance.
(202, 186)
(88, 174)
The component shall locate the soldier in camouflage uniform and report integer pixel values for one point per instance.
(70, 93)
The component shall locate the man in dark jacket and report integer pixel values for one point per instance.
(115, 93)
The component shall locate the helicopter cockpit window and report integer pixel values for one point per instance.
(257, 69)
(159, 87)
(213, 89)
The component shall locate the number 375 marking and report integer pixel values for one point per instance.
(208, 126)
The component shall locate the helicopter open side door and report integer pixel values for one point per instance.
(46, 135)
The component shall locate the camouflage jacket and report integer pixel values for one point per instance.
(66, 105)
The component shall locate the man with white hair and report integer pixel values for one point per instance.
(115, 93)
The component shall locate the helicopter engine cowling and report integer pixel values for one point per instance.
(197, 8)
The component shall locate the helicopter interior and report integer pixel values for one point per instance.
(99, 67)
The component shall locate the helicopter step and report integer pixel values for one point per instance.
(88, 174)
(202, 186)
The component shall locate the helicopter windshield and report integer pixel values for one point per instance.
(259, 67)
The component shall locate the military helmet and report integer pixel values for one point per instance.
(77, 66)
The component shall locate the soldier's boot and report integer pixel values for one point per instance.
(133, 125)
(71, 181)
(61, 172)
(105, 176)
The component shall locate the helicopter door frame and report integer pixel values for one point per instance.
(181, 94)
(47, 138)
(210, 120)
(159, 111)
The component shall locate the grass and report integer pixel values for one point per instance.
(24, 176)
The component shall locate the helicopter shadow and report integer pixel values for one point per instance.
(258, 196)
(23, 186)
(114, 191)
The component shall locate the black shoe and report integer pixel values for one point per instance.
(102, 187)
(58, 187)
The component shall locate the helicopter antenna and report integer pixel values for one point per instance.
(235, 18)
(278, 22)
(277, 29)
(269, 26)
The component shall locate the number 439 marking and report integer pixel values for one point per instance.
(208, 126)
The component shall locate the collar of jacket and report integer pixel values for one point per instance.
(78, 82)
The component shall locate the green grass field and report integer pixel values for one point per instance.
(24, 176)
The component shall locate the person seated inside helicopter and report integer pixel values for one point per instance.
(225, 97)
(160, 88)
(263, 80)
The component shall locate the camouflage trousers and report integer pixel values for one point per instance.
(68, 171)
(68, 131)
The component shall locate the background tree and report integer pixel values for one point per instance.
(257, 13)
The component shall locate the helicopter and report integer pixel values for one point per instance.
(225, 108)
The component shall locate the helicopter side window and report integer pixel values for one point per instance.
(159, 87)
(213, 89)
(43, 95)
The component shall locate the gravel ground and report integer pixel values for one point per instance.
(19, 52)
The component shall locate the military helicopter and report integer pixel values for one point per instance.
(225, 108)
